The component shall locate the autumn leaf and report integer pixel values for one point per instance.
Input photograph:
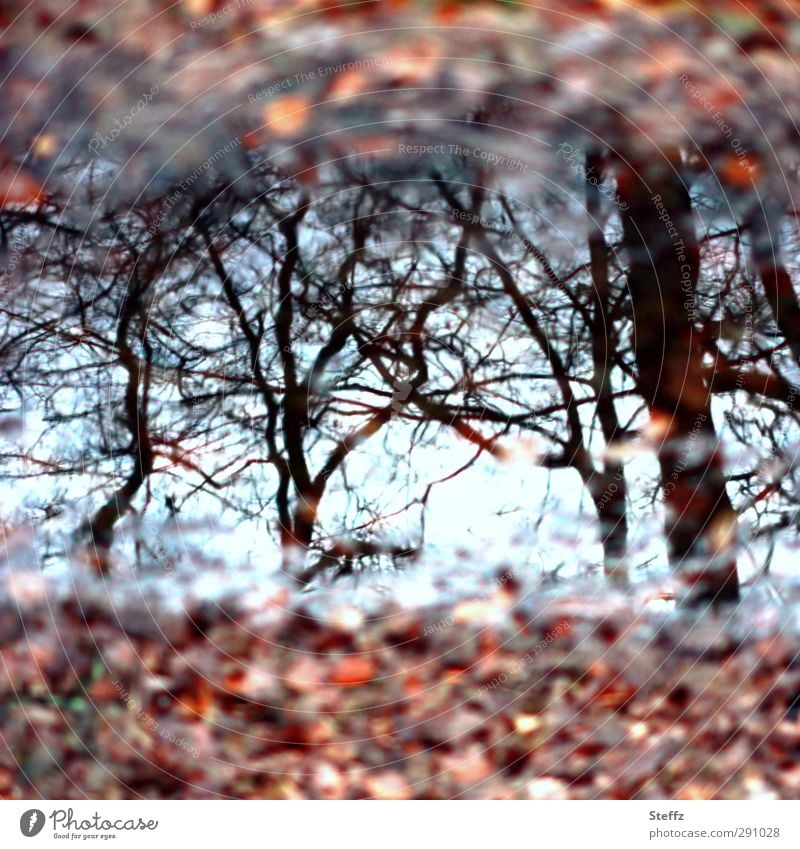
(17, 186)
(353, 670)
(288, 115)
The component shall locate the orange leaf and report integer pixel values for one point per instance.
(414, 685)
(17, 187)
(353, 670)
(287, 116)
(740, 171)
(103, 690)
(199, 700)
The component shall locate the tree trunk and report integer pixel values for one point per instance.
(778, 287)
(296, 540)
(102, 524)
(660, 239)
(609, 490)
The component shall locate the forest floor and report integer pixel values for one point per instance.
(488, 698)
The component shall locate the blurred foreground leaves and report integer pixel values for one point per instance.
(567, 699)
